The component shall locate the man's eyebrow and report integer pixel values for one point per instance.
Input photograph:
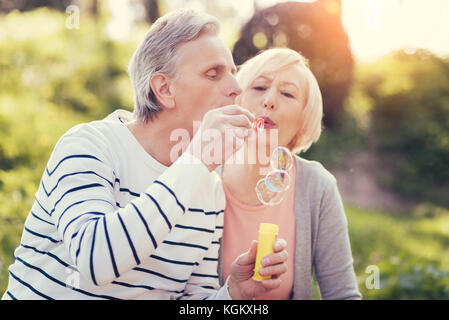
(215, 66)
(222, 67)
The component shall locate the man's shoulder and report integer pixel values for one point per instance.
(95, 139)
(86, 136)
(97, 132)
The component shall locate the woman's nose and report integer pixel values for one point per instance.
(269, 106)
(270, 100)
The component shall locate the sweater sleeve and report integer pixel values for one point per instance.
(333, 260)
(105, 241)
(203, 283)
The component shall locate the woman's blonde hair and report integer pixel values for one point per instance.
(277, 59)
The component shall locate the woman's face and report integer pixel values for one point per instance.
(279, 98)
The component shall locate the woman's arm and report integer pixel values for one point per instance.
(332, 258)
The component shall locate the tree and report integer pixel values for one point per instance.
(27, 5)
(313, 29)
(151, 9)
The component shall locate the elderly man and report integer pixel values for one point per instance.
(115, 216)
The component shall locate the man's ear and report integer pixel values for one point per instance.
(160, 85)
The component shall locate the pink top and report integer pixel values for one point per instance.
(241, 226)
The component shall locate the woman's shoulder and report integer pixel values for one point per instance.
(312, 172)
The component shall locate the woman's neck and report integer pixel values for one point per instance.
(240, 177)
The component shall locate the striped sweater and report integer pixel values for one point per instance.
(110, 222)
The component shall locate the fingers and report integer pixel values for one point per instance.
(275, 264)
(279, 245)
(236, 110)
(274, 271)
(275, 258)
(271, 283)
(239, 120)
(248, 257)
(280, 254)
(252, 252)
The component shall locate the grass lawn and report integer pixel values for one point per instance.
(411, 252)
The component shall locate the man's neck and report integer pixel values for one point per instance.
(154, 137)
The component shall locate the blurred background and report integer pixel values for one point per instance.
(383, 68)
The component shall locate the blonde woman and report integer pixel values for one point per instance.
(278, 86)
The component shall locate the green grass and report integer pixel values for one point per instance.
(412, 253)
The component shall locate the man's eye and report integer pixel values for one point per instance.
(212, 74)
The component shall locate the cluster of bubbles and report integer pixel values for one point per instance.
(272, 189)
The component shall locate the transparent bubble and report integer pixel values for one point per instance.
(272, 189)
(258, 125)
(266, 195)
(281, 159)
(278, 180)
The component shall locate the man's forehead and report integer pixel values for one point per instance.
(206, 50)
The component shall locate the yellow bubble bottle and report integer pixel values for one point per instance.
(266, 239)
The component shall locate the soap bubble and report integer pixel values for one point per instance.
(258, 125)
(281, 159)
(272, 189)
(266, 195)
(277, 180)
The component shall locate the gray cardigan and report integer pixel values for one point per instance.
(322, 240)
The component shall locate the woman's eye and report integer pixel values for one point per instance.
(259, 88)
(288, 95)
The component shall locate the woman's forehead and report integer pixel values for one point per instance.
(292, 75)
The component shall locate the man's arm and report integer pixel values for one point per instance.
(203, 283)
(105, 242)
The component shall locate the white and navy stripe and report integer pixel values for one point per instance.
(120, 228)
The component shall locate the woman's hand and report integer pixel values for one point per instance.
(241, 286)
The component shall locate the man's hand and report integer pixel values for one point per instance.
(233, 121)
(241, 286)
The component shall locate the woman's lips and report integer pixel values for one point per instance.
(268, 123)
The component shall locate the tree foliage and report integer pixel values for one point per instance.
(409, 98)
(313, 29)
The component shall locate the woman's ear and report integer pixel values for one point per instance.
(160, 85)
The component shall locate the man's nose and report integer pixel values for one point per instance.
(234, 87)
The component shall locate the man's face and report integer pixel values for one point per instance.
(204, 78)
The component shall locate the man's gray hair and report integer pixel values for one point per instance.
(157, 54)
